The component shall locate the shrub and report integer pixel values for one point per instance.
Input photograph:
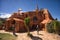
(53, 27)
(57, 27)
(1, 23)
(50, 28)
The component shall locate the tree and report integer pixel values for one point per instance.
(27, 21)
(56, 19)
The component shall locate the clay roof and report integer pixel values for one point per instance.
(46, 21)
(8, 19)
(16, 19)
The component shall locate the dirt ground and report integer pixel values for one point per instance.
(43, 35)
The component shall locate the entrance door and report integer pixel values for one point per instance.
(12, 28)
(34, 27)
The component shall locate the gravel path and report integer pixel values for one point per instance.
(42, 36)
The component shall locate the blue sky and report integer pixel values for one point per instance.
(7, 7)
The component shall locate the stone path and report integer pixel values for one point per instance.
(42, 35)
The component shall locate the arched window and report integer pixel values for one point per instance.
(35, 19)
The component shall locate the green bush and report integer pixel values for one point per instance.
(57, 27)
(53, 27)
(1, 23)
(50, 27)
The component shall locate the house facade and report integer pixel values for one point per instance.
(38, 17)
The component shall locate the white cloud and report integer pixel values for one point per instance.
(5, 15)
(23, 11)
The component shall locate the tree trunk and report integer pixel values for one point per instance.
(27, 28)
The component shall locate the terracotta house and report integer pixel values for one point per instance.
(38, 17)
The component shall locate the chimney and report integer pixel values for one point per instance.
(19, 10)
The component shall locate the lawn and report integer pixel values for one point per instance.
(6, 36)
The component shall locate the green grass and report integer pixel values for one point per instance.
(5, 36)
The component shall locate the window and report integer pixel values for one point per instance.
(13, 22)
(44, 16)
(34, 18)
(30, 14)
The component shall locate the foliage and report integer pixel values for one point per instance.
(1, 23)
(53, 26)
(27, 20)
(5, 36)
(50, 27)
